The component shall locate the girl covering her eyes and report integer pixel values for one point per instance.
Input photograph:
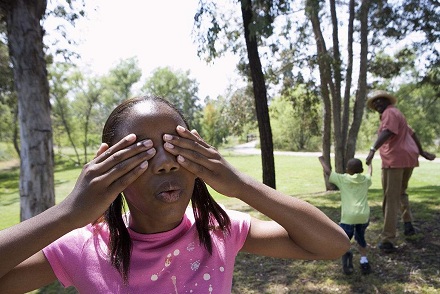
(174, 238)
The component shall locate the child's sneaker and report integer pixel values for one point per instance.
(347, 263)
(365, 268)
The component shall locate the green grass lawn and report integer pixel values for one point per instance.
(415, 268)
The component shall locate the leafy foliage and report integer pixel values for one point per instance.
(177, 87)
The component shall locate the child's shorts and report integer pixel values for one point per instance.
(358, 231)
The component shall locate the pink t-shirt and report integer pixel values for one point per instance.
(169, 262)
(400, 151)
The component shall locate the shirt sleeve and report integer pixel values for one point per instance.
(240, 225)
(64, 255)
(335, 178)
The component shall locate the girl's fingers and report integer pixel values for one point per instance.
(192, 135)
(193, 153)
(101, 149)
(104, 151)
(112, 164)
(125, 172)
(191, 150)
(121, 151)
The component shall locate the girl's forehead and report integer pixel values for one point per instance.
(153, 110)
(148, 108)
(150, 117)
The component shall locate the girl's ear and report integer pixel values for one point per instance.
(101, 149)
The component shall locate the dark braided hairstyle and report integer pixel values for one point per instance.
(208, 213)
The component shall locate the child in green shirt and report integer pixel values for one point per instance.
(355, 212)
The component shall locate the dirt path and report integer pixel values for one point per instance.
(5, 165)
(250, 148)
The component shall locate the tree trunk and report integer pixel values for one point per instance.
(312, 11)
(348, 80)
(25, 38)
(62, 111)
(260, 93)
(336, 93)
(359, 104)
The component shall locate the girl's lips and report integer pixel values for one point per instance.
(169, 192)
(169, 196)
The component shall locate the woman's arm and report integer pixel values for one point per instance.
(427, 155)
(100, 181)
(382, 138)
(298, 229)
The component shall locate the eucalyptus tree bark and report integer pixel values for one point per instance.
(312, 12)
(25, 40)
(348, 81)
(336, 93)
(260, 93)
(361, 94)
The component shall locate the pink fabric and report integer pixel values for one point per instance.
(169, 262)
(400, 151)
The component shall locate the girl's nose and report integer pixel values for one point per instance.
(164, 162)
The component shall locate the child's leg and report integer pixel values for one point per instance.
(360, 238)
(347, 258)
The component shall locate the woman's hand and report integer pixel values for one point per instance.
(103, 178)
(427, 155)
(203, 160)
(370, 157)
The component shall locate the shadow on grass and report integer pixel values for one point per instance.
(9, 179)
(414, 268)
(9, 184)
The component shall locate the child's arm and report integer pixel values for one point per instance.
(100, 182)
(326, 168)
(298, 230)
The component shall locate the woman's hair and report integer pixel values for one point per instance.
(208, 213)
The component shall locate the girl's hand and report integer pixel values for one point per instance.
(203, 160)
(103, 178)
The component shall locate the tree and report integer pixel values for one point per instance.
(239, 112)
(88, 93)
(260, 93)
(62, 113)
(331, 72)
(25, 40)
(304, 107)
(118, 83)
(213, 128)
(256, 23)
(8, 98)
(178, 88)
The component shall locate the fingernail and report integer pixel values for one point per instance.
(180, 158)
(130, 137)
(147, 143)
(169, 145)
(167, 137)
(144, 164)
(180, 128)
(151, 151)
